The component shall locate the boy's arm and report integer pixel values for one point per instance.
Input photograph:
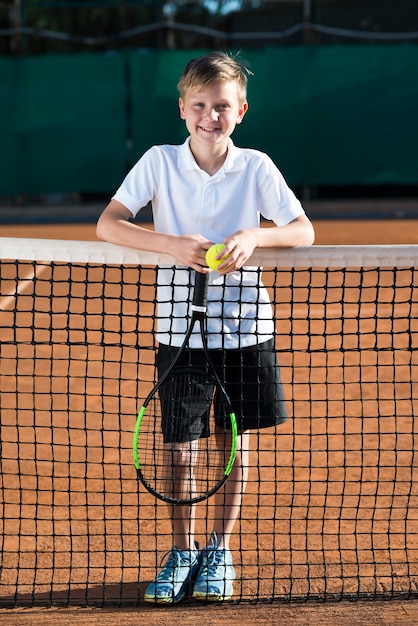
(299, 232)
(114, 226)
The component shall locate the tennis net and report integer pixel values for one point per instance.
(331, 508)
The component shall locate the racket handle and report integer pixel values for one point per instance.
(200, 294)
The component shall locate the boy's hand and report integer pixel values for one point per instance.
(190, 250)
(239, 247)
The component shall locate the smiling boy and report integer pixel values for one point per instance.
(207, 191)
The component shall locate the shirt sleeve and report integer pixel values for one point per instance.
(139, 186)
(277, 201)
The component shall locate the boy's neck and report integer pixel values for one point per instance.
(210, 161)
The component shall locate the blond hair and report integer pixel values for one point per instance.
(212, 68)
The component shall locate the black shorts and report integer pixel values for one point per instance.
(251, 377)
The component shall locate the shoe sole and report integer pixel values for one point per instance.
(167, 600)
(206, 597)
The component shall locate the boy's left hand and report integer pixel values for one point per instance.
(239, 247)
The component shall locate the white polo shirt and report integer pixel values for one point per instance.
(186, 200)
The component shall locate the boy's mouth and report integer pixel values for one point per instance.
(208, 130)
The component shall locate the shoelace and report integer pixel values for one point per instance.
(174, 561)
(214, 558)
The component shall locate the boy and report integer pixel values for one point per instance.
(208, 191)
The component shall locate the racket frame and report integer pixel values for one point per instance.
(198, 307)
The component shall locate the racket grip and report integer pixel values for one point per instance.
(200, 294)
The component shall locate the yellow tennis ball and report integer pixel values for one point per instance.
(211, 255)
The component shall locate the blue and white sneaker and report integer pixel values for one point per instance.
(216, 574)
(173, 581)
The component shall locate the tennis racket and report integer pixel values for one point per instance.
(184, 447)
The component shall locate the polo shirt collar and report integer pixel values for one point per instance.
(235, 160)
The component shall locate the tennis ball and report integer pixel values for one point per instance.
(211, 255)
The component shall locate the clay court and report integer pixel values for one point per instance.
(284, 557)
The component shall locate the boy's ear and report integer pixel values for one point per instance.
(242, 111)
(181, 108)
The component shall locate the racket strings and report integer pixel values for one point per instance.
(183, 445)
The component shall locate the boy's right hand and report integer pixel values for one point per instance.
(190, 250)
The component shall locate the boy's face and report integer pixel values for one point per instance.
(212, 113)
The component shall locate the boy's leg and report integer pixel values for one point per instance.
(228, 500)
(182, 456)
(179, 461)
(183, 525)
(173, 581)
(216, 573)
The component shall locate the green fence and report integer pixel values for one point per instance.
(328, 115)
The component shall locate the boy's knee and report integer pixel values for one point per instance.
(181, 458)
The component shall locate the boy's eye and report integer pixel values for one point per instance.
(218, 107)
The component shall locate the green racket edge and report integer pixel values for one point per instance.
(232, 456)
(136, 435)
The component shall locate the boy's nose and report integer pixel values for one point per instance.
(213, 114)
